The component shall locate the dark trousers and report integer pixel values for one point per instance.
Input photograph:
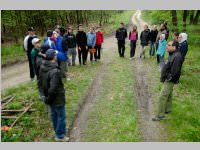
(82, 55)
(58, 117)
(97, 54)
(31, 69)
(157, 56)
(133, 47)
(121, 47)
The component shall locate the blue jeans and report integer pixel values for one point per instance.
(58, 116)
(161, 61)
(152, 48)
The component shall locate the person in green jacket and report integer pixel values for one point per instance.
(34, 53)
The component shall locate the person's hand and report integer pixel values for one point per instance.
(79, 48)
(86, 47)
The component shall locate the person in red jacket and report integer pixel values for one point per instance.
(99, 41)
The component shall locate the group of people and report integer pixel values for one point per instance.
(170, 69)
(49, 63)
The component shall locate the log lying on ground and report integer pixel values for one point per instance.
(6, 98)
(8, 117)
(6, 103)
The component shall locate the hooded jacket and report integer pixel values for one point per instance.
(50, 80)
(49, 41)
(62, 48)
(183, 45)
(121, 34)
(172, 69)
(91, 38)
(99, 38)
(71, 40)
(153, 35)
(161, 47)
(144, 37)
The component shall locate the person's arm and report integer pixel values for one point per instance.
(102, 37)
(64, 44)
(116, 34)
(125, 33)
(129, 37)
(94, 41)
(53, 87)
(141, 35)
(175, 68)
(33, 54)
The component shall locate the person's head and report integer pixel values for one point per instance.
(134, 29)
(175, 36)
(61, 31)
(162, 27)
(155, 27)
(172, 46)
(70, 29)
(51, 55)
(31, 31)
(145, 27)
(44, 48)
(182, 37)
(91, 29)
(80, 27)
(49, 33)
(162, 36)
(122, 24)
(36, 43)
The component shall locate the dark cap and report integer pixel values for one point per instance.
(50, 54)
(44, 48)
(31, 29)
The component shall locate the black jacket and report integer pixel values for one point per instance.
(121, 34)
(172, 69)
(144, 37)
(153, 35)
(50, 80)
(81, 38)
(71, 40)
(30, 45)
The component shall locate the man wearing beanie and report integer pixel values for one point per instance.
(53, 88)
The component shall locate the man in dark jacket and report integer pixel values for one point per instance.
(81, 39)
(29, 49)
(144, 39)
(121, 35)
(170, 75)
(153, 35)
(53, 89)
(71, 40)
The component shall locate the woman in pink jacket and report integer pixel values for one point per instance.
(133, 37)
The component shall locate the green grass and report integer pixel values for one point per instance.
(114, 117)
(36, 126)
(183, 124)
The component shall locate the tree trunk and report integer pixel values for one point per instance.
(191, 17)
(77, 17)
(101, 17)
(196, 18)
(184, 19)
(174, 18)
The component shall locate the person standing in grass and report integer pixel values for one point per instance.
(121, 35)
(91, 42)
(81, 39)
(183, 45)
(161, 50)
(71, 40)
(62, 47)
(29, 49)
(170, 75)
(133, 37)
(49, 40)
(144, 39)
(53, 88)
(153, 35)
(99, 41)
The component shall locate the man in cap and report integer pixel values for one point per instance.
(54, 92)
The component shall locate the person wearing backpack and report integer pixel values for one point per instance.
(53, 88)
(121, 35)
(81, 39)
(133, 37)
(153, 35)
(91, 41)
(161, 50)
(71, 41)
(144, 39)
(62, 47)
(99, 41)
(49, 40)
(29, 49)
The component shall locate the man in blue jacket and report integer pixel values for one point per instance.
(62, 47)
(91, 42)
